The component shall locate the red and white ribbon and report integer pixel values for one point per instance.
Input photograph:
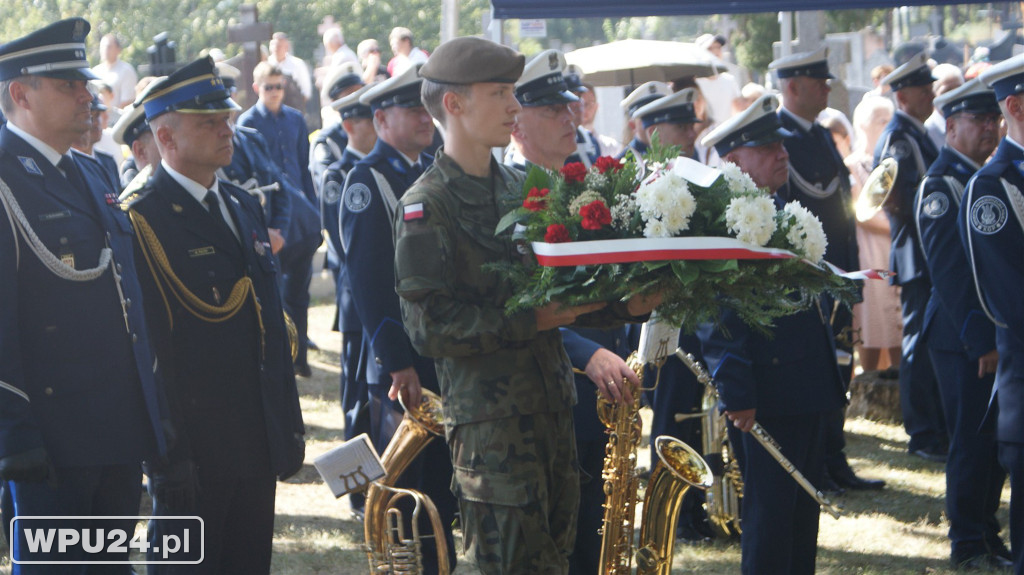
(657, 249)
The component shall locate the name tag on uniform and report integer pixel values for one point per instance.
(200, 252)
(54, 216)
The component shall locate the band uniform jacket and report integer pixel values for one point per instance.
(76, 369)
(233, 391)
(905, 141)
(953, 320)
(991, 229)
(331, 189)
(819, 180)
(328, 146)
(252, 160)
(366, 216)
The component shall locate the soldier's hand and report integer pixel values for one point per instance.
(299, 444)
(407, 382)
(644, 304)
(276, 240)
(556, 314)
(175, 485)
(988, 363)
(742, 419)
(32, 465)
(608, 372)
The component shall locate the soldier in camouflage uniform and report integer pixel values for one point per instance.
(506, 382)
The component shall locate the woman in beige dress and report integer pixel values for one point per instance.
(878, 317)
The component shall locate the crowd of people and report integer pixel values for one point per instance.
(163, 280)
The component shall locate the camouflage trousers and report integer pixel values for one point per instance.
(517, 482)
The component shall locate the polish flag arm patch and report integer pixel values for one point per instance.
(414, 211)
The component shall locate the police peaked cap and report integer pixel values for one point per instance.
(1006, 77)
(645, 94)
(542, 82)
(758, 125)
(915, 72)
(973, 97)
(402, 90)
(807, 64)
(194, 89)
(56, 51)
(675, 108)
(351, 107)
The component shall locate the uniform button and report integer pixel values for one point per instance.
(775, 361)
(128, 303)
(378, 361)
(135, 338)
(64, 241)
(48, 391)
(108, 235)
(118, 268)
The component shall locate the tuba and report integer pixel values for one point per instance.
(678, 468)
(389, 548)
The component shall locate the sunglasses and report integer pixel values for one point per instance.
(273, 87)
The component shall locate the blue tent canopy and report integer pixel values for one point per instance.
(506, 9)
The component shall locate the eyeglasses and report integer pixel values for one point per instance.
(982, 119)
(273, 87)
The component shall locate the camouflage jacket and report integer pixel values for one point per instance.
(490, 364)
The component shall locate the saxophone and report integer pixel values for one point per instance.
(678, 469)
(389, 548)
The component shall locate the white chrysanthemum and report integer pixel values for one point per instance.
(737, 180)
(595, 180)
(585, 197)
(751, 218)
(656, 229)
(806, 234)
(665, 198)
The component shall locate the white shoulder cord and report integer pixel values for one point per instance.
(52, 262)
(970, 256)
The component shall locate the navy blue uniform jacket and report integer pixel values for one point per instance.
(953, 320)
(233, 395)
(904, 141)
(820, 181)
(370, 258)
(89, 380)
(991, 230)
(330, 210)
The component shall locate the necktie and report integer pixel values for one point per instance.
(212, 200)
(74, 177)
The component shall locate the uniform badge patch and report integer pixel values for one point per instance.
(357, 198)
(935, 205)
(332, 192)
(30, 165)
(899, 150)
(413, 211)
(988, 215)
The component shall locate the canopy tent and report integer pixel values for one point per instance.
(505, 9)
(633, 62)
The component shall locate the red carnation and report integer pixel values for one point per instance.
(556, 234)
(574, 172)
(595, 215)
(535, 201)
(605, 163)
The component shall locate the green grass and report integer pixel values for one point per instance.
(898, 531)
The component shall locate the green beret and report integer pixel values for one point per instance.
(470, 60)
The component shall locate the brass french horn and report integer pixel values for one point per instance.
(875, 191)
(389, 549)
